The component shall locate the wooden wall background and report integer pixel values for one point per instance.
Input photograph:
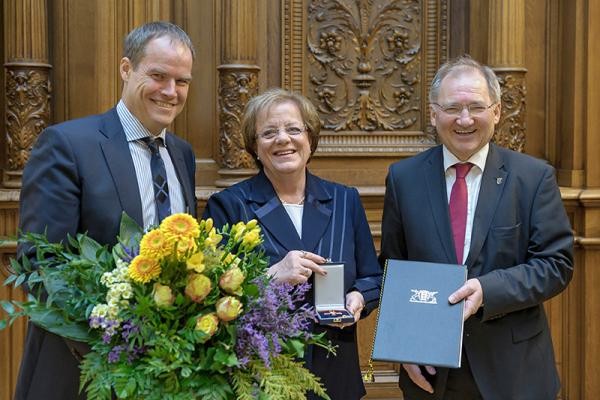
(367, 65)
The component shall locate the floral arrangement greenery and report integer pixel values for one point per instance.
(181, 312)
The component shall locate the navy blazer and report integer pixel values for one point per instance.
(521, 251)
(80, 178)
(334, 225)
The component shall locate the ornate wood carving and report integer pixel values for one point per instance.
(27, 114)
(510, 131)
(237, 84)
(26, 84)
(366, 65)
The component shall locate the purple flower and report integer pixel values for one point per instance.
(272, 317)
(128, 329)
(115, 353)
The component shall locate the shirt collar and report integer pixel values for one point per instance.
(134, 129)
(478, 159)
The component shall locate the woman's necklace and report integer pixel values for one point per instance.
(298, 203)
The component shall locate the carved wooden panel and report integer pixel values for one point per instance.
(510, 131)
(367, 66)
(27, 109)
(237, 84)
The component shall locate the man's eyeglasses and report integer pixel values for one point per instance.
(272, 133)
(456, 109)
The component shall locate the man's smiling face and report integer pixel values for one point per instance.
(464, 134)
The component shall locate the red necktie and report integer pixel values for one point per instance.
(458, 208)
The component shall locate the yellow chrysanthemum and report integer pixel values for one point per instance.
(179, 226)
(144, 269)
(153, 244)
(196, 262)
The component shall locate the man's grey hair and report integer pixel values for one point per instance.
(460, 63)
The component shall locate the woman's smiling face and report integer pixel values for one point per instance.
(282, 142)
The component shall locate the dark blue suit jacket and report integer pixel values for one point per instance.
(80, 178)
(521, 251)
(334, 225)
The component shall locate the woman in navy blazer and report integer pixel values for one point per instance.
(305, 220)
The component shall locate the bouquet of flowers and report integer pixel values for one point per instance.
(181, 312)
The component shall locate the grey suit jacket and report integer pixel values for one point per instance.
(80, 178)
(521, 252)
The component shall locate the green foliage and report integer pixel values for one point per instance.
(145, 349)
(287, 379)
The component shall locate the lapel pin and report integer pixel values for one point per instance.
(498, 181)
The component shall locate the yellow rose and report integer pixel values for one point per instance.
(163, 295)
(196, 262)
(198, 287)
(231, 281)
(208, 324)
(228, 308)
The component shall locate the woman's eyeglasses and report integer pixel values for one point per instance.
(272, 133)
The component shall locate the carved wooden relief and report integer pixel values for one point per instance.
(510, 131)
(366, 65)
(237, 84)
(27, 114)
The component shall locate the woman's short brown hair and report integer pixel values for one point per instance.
(264, 101)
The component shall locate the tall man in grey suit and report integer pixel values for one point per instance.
(83, 174)
(510, 229)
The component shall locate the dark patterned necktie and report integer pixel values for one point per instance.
(458, 208)
(159, 178)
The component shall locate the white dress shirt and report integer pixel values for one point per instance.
(473, 181)
(134, 131)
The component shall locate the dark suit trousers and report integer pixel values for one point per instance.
(460, 384)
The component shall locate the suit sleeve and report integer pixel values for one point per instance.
(50, 195)
(393, 244)
(369, 273)
(548, 267)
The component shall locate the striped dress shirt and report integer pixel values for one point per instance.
(134, 132)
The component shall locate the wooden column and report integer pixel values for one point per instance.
(506, 55)
(238, 82)
(27, 83)
(577, 143)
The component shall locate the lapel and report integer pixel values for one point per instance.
(181, 171)
(273, 217)
(118, 158)
(318, 209)
(436, 192)
(492, 185)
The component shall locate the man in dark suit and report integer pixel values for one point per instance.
(499, 212)
(83, 174)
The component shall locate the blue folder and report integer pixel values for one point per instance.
(415, 323)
